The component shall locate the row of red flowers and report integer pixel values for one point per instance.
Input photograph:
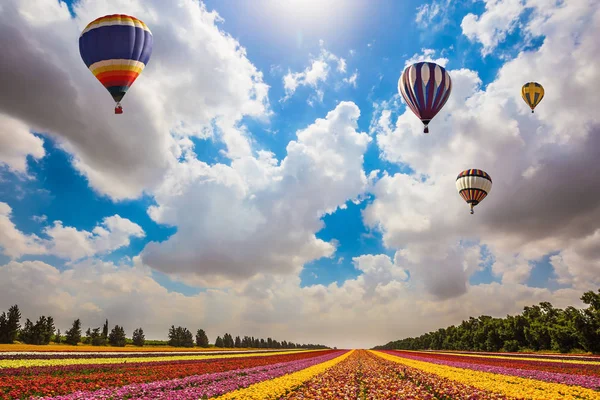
(21, 383)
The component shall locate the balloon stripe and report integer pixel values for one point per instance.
(116, 63)
(430, 88)
(118, 80)
(473, 172)
(116, 68)
(417, 91)
(117, 92)
(410, 99)
(444, 93)
(115, 20)
(439, 92)
(115, 42)
(470, 195)
(412, 103)
(112, 74)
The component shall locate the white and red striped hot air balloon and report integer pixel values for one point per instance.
(473, 185)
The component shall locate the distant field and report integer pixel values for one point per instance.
(84, 347)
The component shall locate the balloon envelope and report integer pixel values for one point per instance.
(116, 48)
(532, 93)
(426, 87)
(473, 185)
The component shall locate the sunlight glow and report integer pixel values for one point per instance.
(308, 13)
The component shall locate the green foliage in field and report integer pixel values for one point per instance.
(538, 328)
(180, 337)
(117, 336)
(138, 338)
(40, 333)
(10, 325)
(73, 335)
(201, 338)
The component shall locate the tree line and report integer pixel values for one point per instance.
(539, 327)
(43, 332)
(182, 337)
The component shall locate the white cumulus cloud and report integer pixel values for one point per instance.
(64, 241)
(316, 75)
(268, 211)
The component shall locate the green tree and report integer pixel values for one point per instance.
(228, 340)
(3, 328)
(238, 341)
(27, 334)
(50, 329)
(88, 336)
(180, 337)
(57, 337)
(73, 335)
(13, 324)
(138, 337)
(201, 338)
(39, 333)
(96, 338)
(117, 336)
(588, 322)
(105, 330)
(219, 342)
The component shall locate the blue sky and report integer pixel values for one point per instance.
(79, 176)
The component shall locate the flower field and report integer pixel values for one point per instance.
(296, 375)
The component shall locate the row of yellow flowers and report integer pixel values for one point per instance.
(126, 359)
(67, 348)
(563, 361)
(512, 386)
(275, 388)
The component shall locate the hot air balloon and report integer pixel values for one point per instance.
(425, 87)
(532, 93)
(473, 185)
(116, 48)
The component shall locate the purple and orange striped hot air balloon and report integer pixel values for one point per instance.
(116, 48)
(473, 185)
(425, 86)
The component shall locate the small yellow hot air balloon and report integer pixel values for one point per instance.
(532, 93)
